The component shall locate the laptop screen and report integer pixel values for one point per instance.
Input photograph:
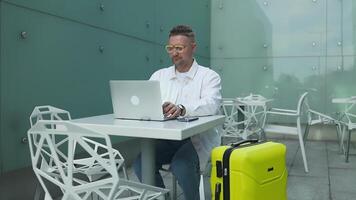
(140, 100)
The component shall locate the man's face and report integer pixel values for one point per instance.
(182, 50)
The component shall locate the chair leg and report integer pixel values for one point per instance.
(174, 187)
(262, 135)
(38, 192)
(306, 132)
(201, 188)
(302, 149)
(124, 171)
(339, 137)
(47, 197)
(348, 147)
(303, 154)
(343, 129)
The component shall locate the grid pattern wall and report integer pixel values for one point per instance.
(63, 53)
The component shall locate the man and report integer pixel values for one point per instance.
(188, 89)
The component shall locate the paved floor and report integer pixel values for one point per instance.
(330, 178)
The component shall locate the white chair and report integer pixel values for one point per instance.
(48, 112)
(295, 130)
(54, 147)
(351, 125)
(315, 117)
(232, 125)
(254, 108)
(244, 116)
(87, 166)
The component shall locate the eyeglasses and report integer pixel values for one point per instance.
(178, 48)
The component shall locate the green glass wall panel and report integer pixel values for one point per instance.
(70, 52)
(1, 86)
(266, 28)
(239, 29)
(60, 65)
(197, 14)
(270, 77)
(294, 76)
(306, 45)
(341, 71)
(296, 27)
(235, 73)
(202, 60)
(133, 18)
(340, 28)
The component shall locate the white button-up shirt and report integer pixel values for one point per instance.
(199, 91)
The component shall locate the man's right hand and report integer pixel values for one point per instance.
(170, 110)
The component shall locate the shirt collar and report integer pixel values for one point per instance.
(191, 73)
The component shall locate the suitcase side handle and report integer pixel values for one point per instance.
(217, 191)
(250, 141)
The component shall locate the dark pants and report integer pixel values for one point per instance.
(184, 164)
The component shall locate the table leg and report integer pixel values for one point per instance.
(148, 161)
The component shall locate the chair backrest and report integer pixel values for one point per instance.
(54, 145)
(301, 102)
(229, 109)
(227, 106)
(350, 113)
(48, 113)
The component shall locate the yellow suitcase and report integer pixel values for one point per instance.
(249, 170)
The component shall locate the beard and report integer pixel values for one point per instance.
(178, 62)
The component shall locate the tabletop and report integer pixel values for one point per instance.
(344, 100)
(171, 129)
(253, 100)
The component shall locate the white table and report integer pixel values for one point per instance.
(347, 100)
(148, 131)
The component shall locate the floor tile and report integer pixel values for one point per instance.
(337, 159)
(292, 148)
(316, 158)
(343, 180)
(307, 188)
(343, 196)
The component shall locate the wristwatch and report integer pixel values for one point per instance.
(182, 109)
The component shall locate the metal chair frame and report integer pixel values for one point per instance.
(87, 165)
(315, 117)
(54, 146)
(350, 124)
(244, 116)
(283, 129)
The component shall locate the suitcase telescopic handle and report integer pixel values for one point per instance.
(251, 141)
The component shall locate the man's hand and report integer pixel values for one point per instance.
(170, 110)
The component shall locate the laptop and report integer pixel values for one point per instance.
(138, 100)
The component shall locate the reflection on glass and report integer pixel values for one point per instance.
(281, 48)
